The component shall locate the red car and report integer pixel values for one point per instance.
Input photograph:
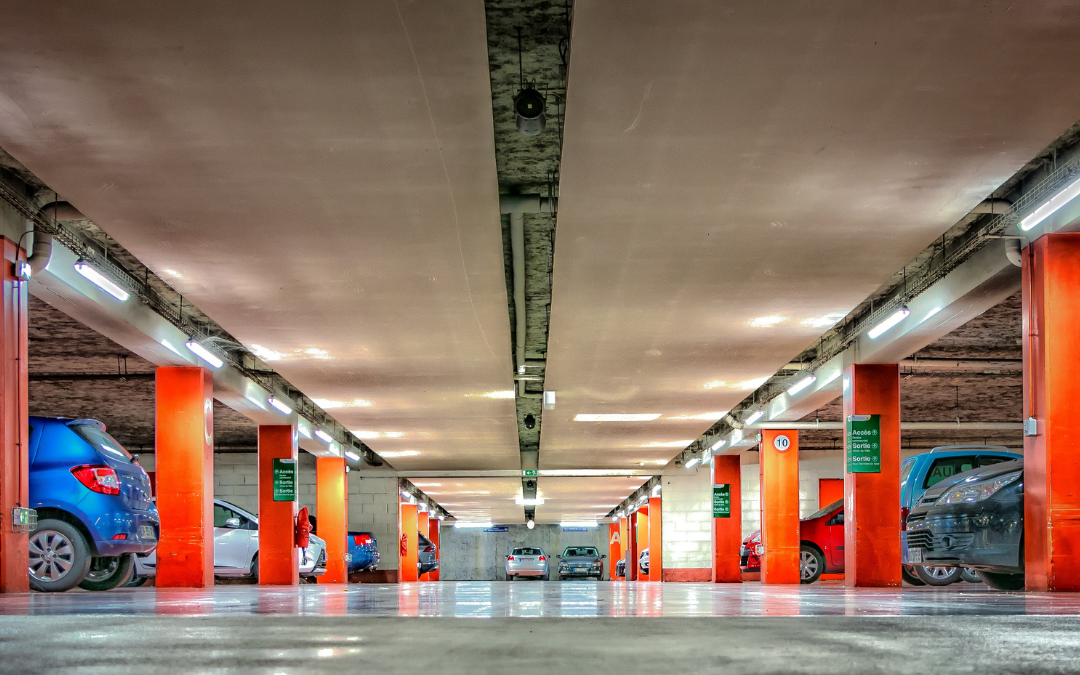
(822, 545)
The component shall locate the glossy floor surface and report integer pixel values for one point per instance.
(526, 627)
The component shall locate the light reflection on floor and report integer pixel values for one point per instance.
(487, 599)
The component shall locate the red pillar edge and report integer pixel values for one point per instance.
(14, 436)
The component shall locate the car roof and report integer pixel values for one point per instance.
(952, 450)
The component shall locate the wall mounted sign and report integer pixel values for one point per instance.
(528, 473)
(863, 444)
(497, 528)
(721, 500)
(284, 480)
(781, 443)
(575, 529)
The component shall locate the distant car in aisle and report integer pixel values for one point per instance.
(643, 561)
(581, 562)
(425, 559)
(527, 561)
(974, 520)
(236, 547)
(620, 568)
(363, 552)
(94, 507)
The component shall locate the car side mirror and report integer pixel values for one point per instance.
(603, 555)
(232, 523)
(559, 557)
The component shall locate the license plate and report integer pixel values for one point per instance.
(914, 555)
(579, 569)
(146, 532)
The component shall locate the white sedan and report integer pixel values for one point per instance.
(236, 547)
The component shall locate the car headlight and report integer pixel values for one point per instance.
(596, 564)
(968, 493)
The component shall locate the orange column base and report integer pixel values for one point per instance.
(727, 532)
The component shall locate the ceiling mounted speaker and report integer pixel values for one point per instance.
(530, 110)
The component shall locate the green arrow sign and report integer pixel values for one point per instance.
(863, 444)
(529, 473)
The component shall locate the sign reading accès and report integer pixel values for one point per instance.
(864, 444)
(721, 500)
(284, 480)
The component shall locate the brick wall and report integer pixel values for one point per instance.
(687, 511)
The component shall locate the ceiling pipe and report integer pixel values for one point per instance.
(965, 364)
(42, 252)
(904, 426)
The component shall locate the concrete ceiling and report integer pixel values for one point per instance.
(319, 180)
(734, 175)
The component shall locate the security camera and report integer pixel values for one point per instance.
(530, 421)
(530, 484)
(530, 110)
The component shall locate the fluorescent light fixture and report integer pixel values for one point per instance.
(1050, 206)
(656, 491)
(621, 514)
(174, 350)
(101, 281)
(616, 417)
(460, 524)
(614, 519)
(521, 501)
(717, 445)
(352, 455)
(692, 462)
(521, 369)
(802, 384)
(280, 405)
(896, 317)
(754, 417)
(204, 354)
(325, 437)
(578, 523)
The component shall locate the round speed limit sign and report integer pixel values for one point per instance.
(781, 443)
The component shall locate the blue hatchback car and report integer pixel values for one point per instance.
(94, 506)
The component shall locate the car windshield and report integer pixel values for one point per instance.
(102, 442)
(581, 552)
(528, 551)
(828, 509)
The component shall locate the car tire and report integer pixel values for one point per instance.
(253, 570)
(908, 574)
(971, 576)
(137, 582)
(511, 577)
(1003, 581)
(54, 544)
(114, 572)
(545, 577)
(933, 575)
(811, 564)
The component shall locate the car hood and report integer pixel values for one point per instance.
(973, 476)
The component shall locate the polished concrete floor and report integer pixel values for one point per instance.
(526, 627)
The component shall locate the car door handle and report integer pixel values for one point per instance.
(839, 548)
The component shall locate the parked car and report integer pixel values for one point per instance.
(975, 520)
(620, 568)
(425, 559)
(94, 506)
(363, 552)
(236, 547)
(527, 561)
(581, 562)
(822, 533)
(643, 561)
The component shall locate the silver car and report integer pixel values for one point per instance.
(236, 547)
(527, 561)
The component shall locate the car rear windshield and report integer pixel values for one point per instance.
(102, 442)
(580, 551)
(528, 551)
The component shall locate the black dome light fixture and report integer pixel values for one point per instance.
(530, 421)
(530, 106)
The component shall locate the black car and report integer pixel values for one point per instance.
(975, 520)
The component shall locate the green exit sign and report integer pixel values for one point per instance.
(529, 473)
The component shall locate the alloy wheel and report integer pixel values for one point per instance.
(939, 572)
(808, 565)
(51, 555)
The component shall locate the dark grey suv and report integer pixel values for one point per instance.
(581, 562)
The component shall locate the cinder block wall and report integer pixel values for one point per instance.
(686, 501)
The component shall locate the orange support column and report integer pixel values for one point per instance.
(727, 531)
(614, 548)
(279, 559)
(779, 463)
(421, 528)
(433, 535)
(332, 509)
(631, 547)
(642, 539)
(872, 500)
(14, 437)
(656, 543)
(624, 539)
(1052, 398)
(407, 554)
(184, 444)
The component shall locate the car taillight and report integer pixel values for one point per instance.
(542, 558)
(904, 511)
(98, 478)
(759, 550)
(361, 539)
(510, 558)
(427, 549)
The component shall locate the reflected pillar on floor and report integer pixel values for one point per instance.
(727, 531)
(1052, 397)
(433, 535)
(407, 556)
(872, 500)
(279, 559)
(184, 454)
(332, 508)
(642, 539)
(779, 466)
(14, 430)
(656, 544)
(614, 547)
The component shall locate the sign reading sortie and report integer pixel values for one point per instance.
(864, 444)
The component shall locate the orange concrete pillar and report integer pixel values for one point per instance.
(632, 547)
(614, 547)
(332, 509)
(407, 553)
(433, 535)
(184, 444)
(1052, 397)
(279, 558)
(624, 539)
(421, 528)
(642, 538)
(656, 543)
(14, 436)
(727, 530)
(779, 464)
(872, 500)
